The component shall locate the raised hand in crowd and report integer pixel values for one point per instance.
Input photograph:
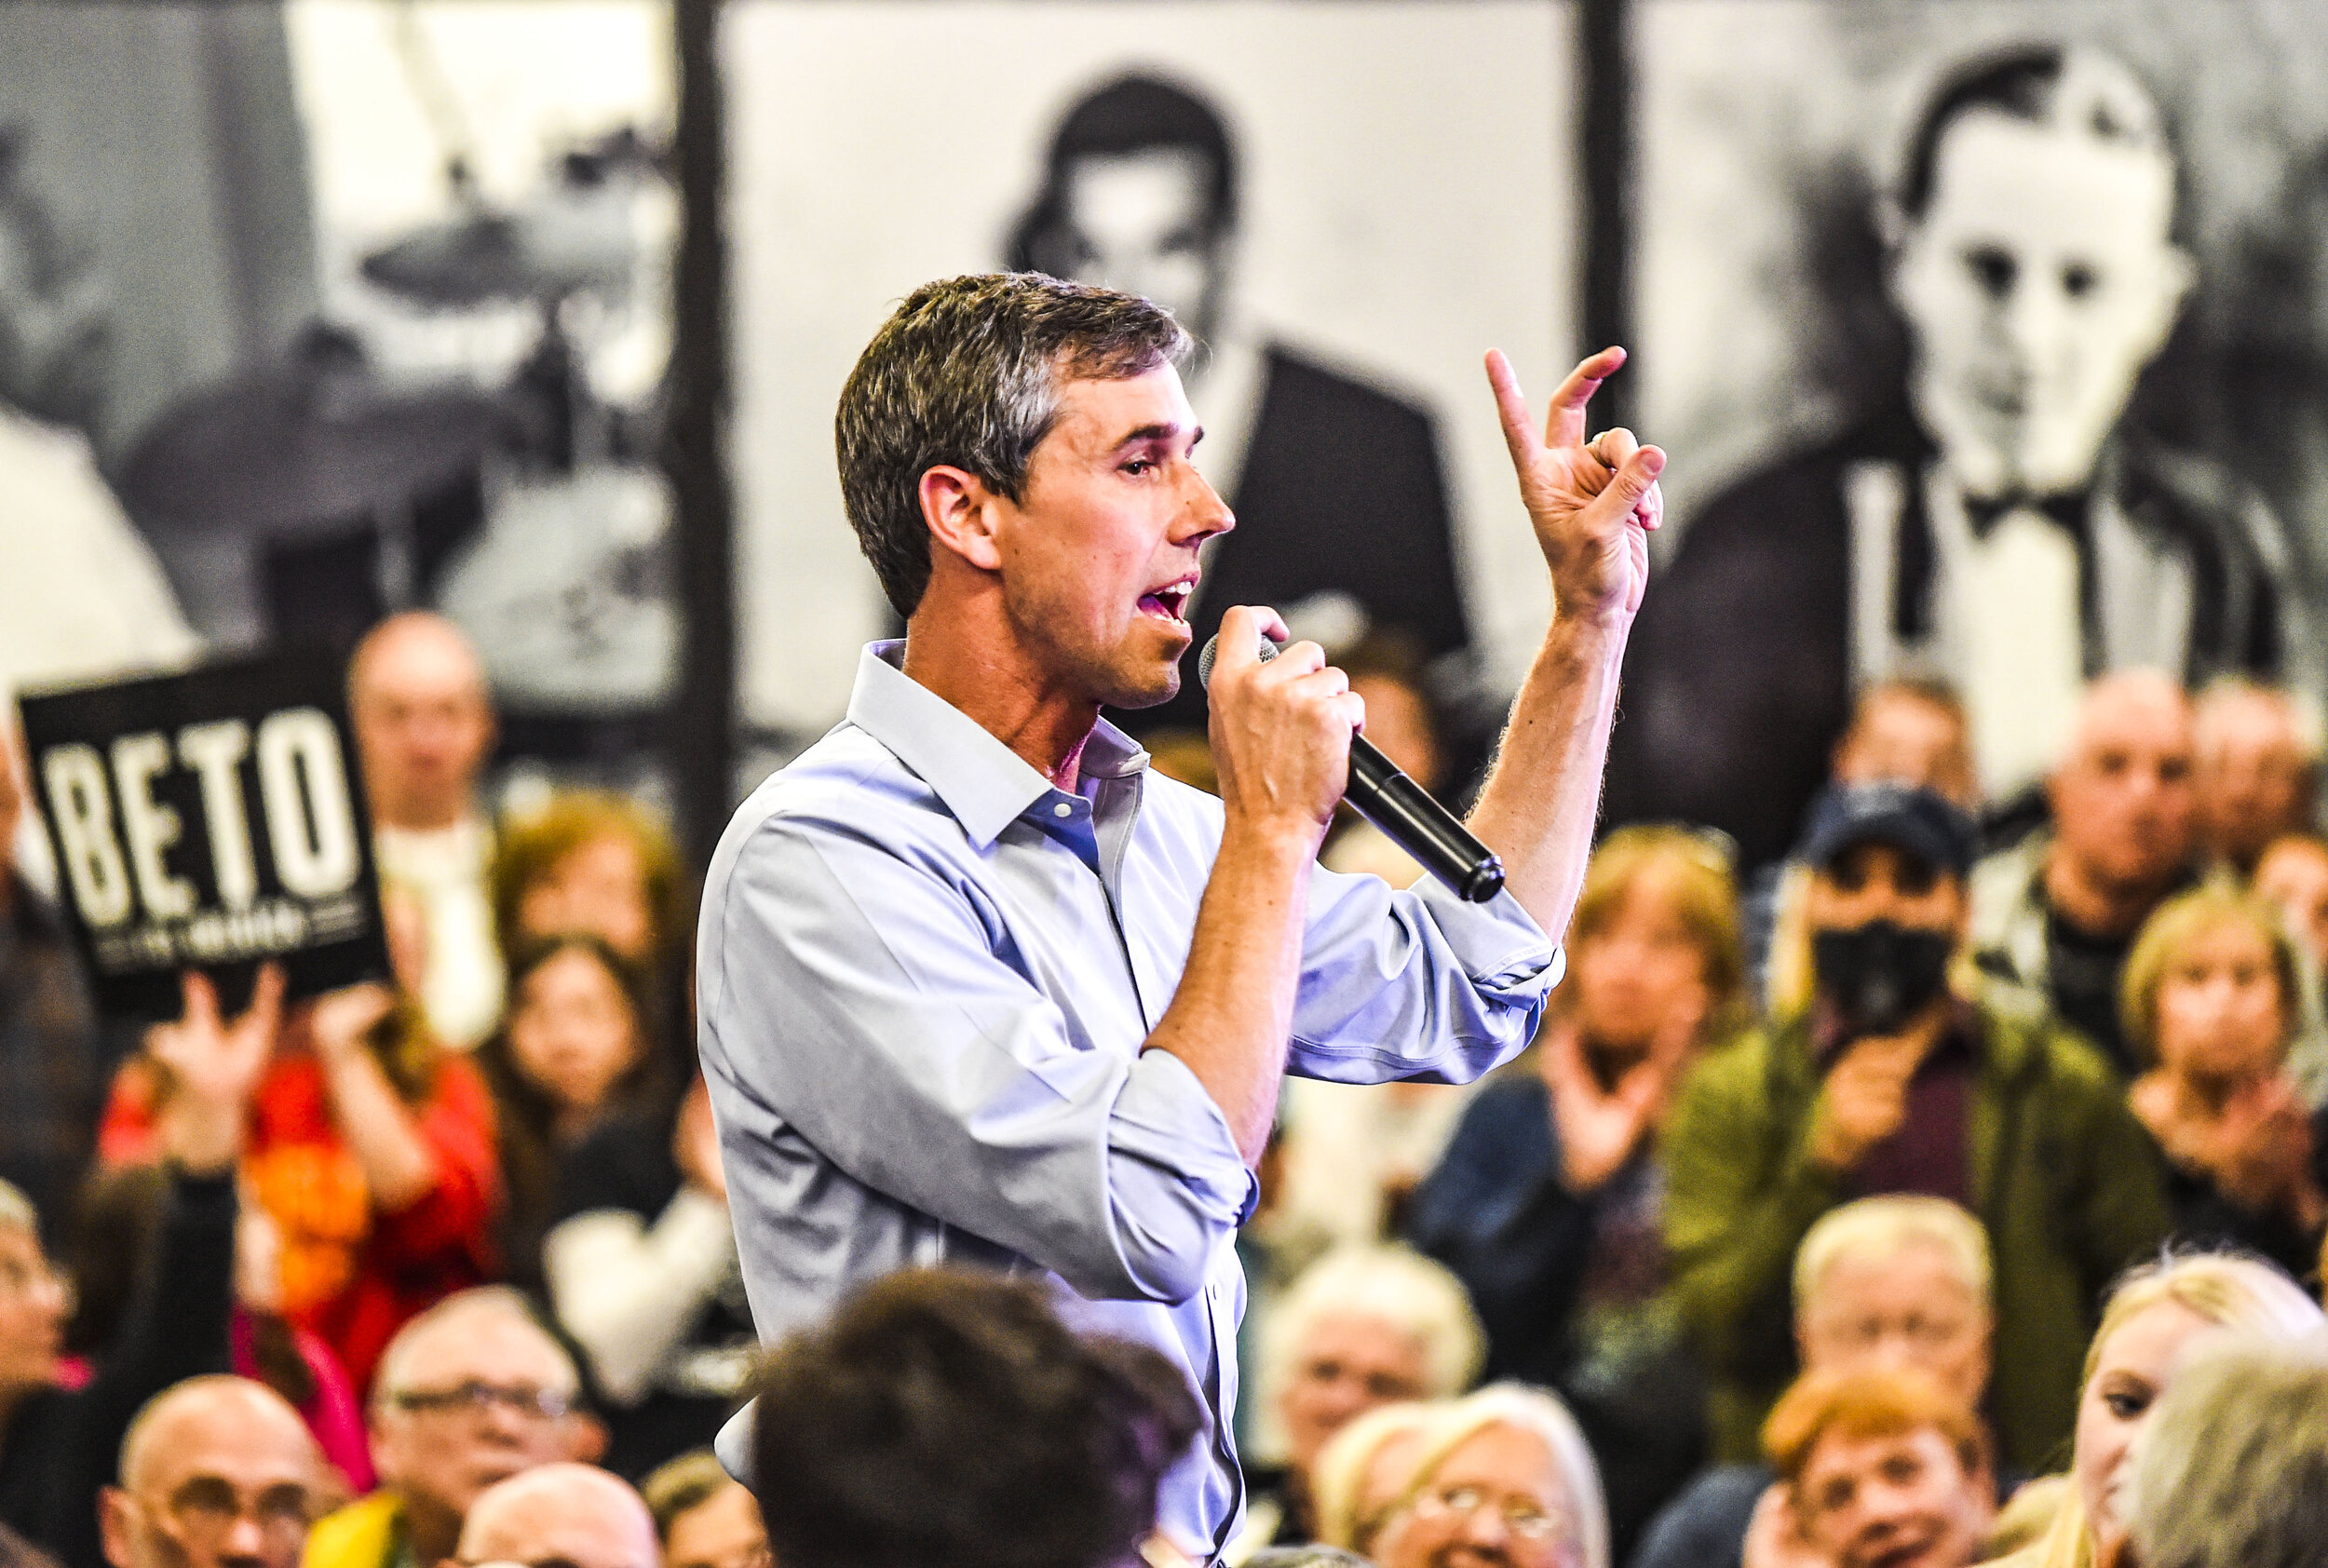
(1774, 1538)
(1866, 1097)
(1601, 1127)
(399, 1164)
(695, 1144)
(213, 1065)
(2257, 1149)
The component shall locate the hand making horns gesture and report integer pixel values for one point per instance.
(1593, 503)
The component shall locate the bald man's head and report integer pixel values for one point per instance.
(2257, 749)
(575, 1514)
(424, 719)
(216, 1471)
(2124, 806)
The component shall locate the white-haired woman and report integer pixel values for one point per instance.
(1505, 1475)
(2154, 1319)
(1362, 1327)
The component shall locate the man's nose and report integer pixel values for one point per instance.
(1203, 513)
(243, 1546)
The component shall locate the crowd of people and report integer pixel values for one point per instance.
(1855, 1208)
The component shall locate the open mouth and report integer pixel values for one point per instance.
(1169, 602)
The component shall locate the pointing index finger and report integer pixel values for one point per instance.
(1511, 406)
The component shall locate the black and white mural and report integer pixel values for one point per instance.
(364, 307)
(1993, 340)
(1348, 202)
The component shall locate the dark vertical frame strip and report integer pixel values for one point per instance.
(701, 731)
(1604, 148)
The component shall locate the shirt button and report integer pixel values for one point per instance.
(1063, 809)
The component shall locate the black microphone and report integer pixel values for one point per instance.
(1403, 810)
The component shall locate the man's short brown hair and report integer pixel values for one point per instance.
(967, 372)
(1873, 1402)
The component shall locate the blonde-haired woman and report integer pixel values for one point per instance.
(1549, 1200)
(2154, 1317)
(2212, 999)
(1505, 1473)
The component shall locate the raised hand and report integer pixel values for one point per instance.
(1592, 504)
(214, 1065)
(1865, 1098)
(342, 1021)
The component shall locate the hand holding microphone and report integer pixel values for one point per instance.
(1375, 788)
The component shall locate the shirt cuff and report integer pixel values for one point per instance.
(1166, 1120)
(1498, 943)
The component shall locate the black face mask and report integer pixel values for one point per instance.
(1879, 975)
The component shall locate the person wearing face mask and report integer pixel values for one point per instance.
(1884, 1067)
(2156, 1316)
(2211, 995)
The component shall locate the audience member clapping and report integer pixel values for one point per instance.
(2233, 1472)
(2154, 1320)
(941, 1416)
(470, 1392)
(641, 1269)
(704, 1517)
(575, 1057)
(1359, 1477)
(373, 1147)
(1362, 1327)
(424, 722)
(1879, 1284)
(1505, 1481)
(58, 1447)
(218, 1472)
(2213, 1000)
(573, 1515)
(2057, 914)
(1549, 1202)
(1875, 1075)
(1877, 1468)
(2257, 756)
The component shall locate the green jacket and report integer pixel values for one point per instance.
(2066, 1180)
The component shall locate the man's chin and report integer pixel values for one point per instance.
(1159, 687)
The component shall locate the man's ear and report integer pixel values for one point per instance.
(115, 1526)
(960, 509)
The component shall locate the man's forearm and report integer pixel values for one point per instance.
(1543, 794)
(1233, 1015)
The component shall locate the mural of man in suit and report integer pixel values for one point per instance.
(1343, 516)
(2001, 524)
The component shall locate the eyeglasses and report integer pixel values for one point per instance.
(475, 1397)
(205, 1510)
(1520, 1517)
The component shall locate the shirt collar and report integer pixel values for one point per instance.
(985, 784)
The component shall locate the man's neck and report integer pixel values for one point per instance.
(434, 820)
(986, 674)
(2097, 908)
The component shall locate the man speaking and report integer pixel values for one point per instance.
(974, 985)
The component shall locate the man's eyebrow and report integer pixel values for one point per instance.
(1162, 431)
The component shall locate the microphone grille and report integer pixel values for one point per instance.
(1212, 645)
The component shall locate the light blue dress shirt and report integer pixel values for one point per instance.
(924, 977)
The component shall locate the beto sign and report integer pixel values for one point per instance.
(211, 820)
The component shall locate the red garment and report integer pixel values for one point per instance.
(351, 1274)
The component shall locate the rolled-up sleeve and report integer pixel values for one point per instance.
(914, 1055)
(1416, 984)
